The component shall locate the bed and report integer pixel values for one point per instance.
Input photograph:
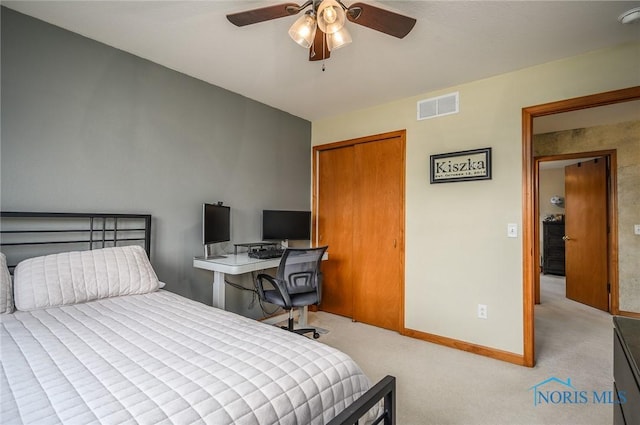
(91, 337)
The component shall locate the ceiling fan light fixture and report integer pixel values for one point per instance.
(303, 30)
(338, 39)
(630, 16)
(321, 28)
(331, 16)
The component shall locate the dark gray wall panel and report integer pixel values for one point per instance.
(86, 127)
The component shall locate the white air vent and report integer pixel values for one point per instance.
(438, 106)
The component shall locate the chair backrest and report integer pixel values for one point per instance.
(299, 269)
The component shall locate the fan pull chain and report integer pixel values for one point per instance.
(324, 38)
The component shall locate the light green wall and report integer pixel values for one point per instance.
(625, 139)
(551, 183)
(457, 251)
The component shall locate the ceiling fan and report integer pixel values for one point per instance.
(322, 25)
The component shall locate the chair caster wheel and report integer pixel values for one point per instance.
(316, 335)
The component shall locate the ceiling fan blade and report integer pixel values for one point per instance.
(262, 14)
(319, 45)
(380, 19)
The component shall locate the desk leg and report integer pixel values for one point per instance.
(218, 290)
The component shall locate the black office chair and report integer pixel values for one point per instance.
(298, 283)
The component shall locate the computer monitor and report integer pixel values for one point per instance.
(216, 223)
(285, 225)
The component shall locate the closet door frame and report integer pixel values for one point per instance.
(401, 134)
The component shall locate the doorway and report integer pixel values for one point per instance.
(531, 208)
(574, 214)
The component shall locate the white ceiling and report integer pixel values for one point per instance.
(453, 42)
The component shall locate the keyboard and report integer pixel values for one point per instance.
(264, 254)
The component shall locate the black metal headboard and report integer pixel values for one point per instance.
(29, 234)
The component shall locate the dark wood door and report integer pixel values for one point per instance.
(586, 233)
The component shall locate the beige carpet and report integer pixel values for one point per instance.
(440, 385)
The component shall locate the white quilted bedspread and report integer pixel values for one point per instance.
(160, 358)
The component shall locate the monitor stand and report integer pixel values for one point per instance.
(251, 245)
(209, 256)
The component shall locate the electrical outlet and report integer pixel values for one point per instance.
(482, 311)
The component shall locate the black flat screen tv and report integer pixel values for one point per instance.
(216, 223)
(284, 225)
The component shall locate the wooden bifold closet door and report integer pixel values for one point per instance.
(360, 215)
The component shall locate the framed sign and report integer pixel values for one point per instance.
(461, 166)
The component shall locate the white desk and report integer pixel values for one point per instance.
(233, 264)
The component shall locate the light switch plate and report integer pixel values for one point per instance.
(636, 229)
(512, 230)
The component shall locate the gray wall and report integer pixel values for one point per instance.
(89, 128)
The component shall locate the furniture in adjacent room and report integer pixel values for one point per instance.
(626, 375)
(553, 248)
(297, 283)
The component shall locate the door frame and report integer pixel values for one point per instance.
(612, 218)
(530, 265)
(402, 134)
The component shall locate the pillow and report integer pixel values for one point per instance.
(6, 292)
(81, 276)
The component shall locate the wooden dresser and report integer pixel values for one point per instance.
(626, 355)
(553, 247)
